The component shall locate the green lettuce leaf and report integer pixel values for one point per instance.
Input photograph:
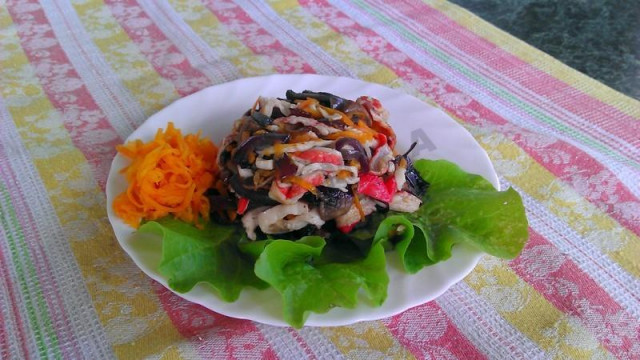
(314, 274)
(443, 175)
(459, 207)
(360, 237)
(408, 239)
(253, 248)
(309, 282)
(211, 255)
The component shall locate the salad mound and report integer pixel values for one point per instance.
(291, 165)
(308, 195)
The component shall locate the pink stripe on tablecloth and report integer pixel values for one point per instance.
(428, 333)
(211, 62)
(483, 325)
(96, 71)
(598, 184)
(527, 76)
(240, 339)
(303, 343)
(595, 182)
(47, 281)
(573, 292)
(163, 55)
(256, 38)
(14, 311)
(4, 343)
(83, 118)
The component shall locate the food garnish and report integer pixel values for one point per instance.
(167, 176)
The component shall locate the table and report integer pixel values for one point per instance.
(77, 77)
(593, 37)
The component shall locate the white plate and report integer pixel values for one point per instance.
(214, 109)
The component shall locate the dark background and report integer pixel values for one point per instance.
(600, 38)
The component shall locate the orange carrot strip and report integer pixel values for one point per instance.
(302, 183)
(167, 176)
(361, 137)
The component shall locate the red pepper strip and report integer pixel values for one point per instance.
(373, 186)
(347, 228)
(385, 129)
(392, 186)
(243, 204)
(382, 139)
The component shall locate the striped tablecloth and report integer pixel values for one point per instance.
(76, 78)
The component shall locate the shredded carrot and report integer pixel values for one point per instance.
(356, 202)
(346, 119)
(343, 174)
(310, 106)
(298, 138)
(365, 128)
(167, 175)
(361, 137)
(278, 150)
(296, 180)
(344, 116)
(232, 215)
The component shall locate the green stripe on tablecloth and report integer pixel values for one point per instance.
(9, 221)
(531, 110)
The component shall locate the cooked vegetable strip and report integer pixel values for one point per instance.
(167, 175)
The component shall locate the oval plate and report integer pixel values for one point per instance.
(213, 110)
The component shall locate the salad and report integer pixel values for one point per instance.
(290, 166)
(306, 195)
